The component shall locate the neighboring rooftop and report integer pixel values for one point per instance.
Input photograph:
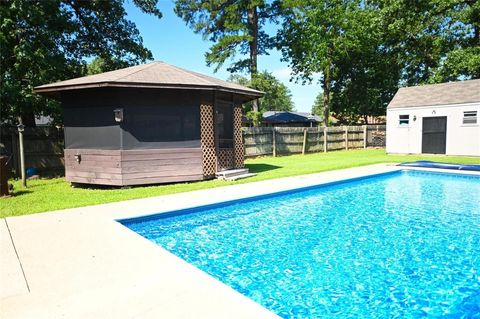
(151, 75)
(437, 94)
(289, 117)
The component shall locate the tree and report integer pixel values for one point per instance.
(435, 40)
(48, 41)
(277, 95)
(239, 79)
(317, 35)
(458, 63)
(96, 66)
(366, 83)
(234, 27)
(365, 50)
(317, 107)
(463, 57)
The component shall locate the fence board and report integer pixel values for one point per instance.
(43, 149)
(289, 140)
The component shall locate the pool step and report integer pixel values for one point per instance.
(234, 174)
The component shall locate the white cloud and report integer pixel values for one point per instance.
(283, 73)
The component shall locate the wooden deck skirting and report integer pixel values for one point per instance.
(133, 167)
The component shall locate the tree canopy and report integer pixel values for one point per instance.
(430, 37)
(361, 50)
(48, 41)
(235, 27)
(317, 107)
(277, 95)
(364, 51)
(318, 36)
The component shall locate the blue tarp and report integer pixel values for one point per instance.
(430, 164)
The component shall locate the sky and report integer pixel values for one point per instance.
(173, 42)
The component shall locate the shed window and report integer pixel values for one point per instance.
(404, 119)
(470, 117)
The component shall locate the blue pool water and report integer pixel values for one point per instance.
(401, 245)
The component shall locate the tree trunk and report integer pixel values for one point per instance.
(27, 119)
(253, 31)
(326, 95)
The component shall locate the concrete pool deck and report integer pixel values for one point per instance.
(81, 263)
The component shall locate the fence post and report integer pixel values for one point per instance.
(15, 152)
(21, 129)
(274, 143)
(304, 141)
(325, 148)
(365, 136)
(318, 137)
(346, 137)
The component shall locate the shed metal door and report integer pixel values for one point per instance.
(434, 135)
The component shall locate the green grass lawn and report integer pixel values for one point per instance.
(53, 194)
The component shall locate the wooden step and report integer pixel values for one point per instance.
(237, 177)
(231, 173)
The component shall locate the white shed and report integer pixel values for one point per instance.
(435, 119)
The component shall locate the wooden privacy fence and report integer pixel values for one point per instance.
(290, 140)
(44, 145)
(43, 149)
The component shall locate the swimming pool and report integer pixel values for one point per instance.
(399, 245)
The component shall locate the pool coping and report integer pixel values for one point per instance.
(113, 272)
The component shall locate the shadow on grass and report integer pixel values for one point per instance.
(259, 168)
(20, 192)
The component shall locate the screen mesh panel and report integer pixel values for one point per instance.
(161, 127)
(91, 127)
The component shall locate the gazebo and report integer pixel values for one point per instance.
(149, 124)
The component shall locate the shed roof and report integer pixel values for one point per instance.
(156, 74)
(437, 94)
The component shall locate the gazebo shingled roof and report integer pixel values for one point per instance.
(156, 74)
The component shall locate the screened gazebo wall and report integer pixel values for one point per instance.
(165, 135)
(152, 119)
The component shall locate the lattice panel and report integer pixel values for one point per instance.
(225, 158)
(239, 152)
(207, 135)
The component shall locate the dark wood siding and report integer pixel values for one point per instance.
(161, 166)
(133, 167)
(95, 166)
